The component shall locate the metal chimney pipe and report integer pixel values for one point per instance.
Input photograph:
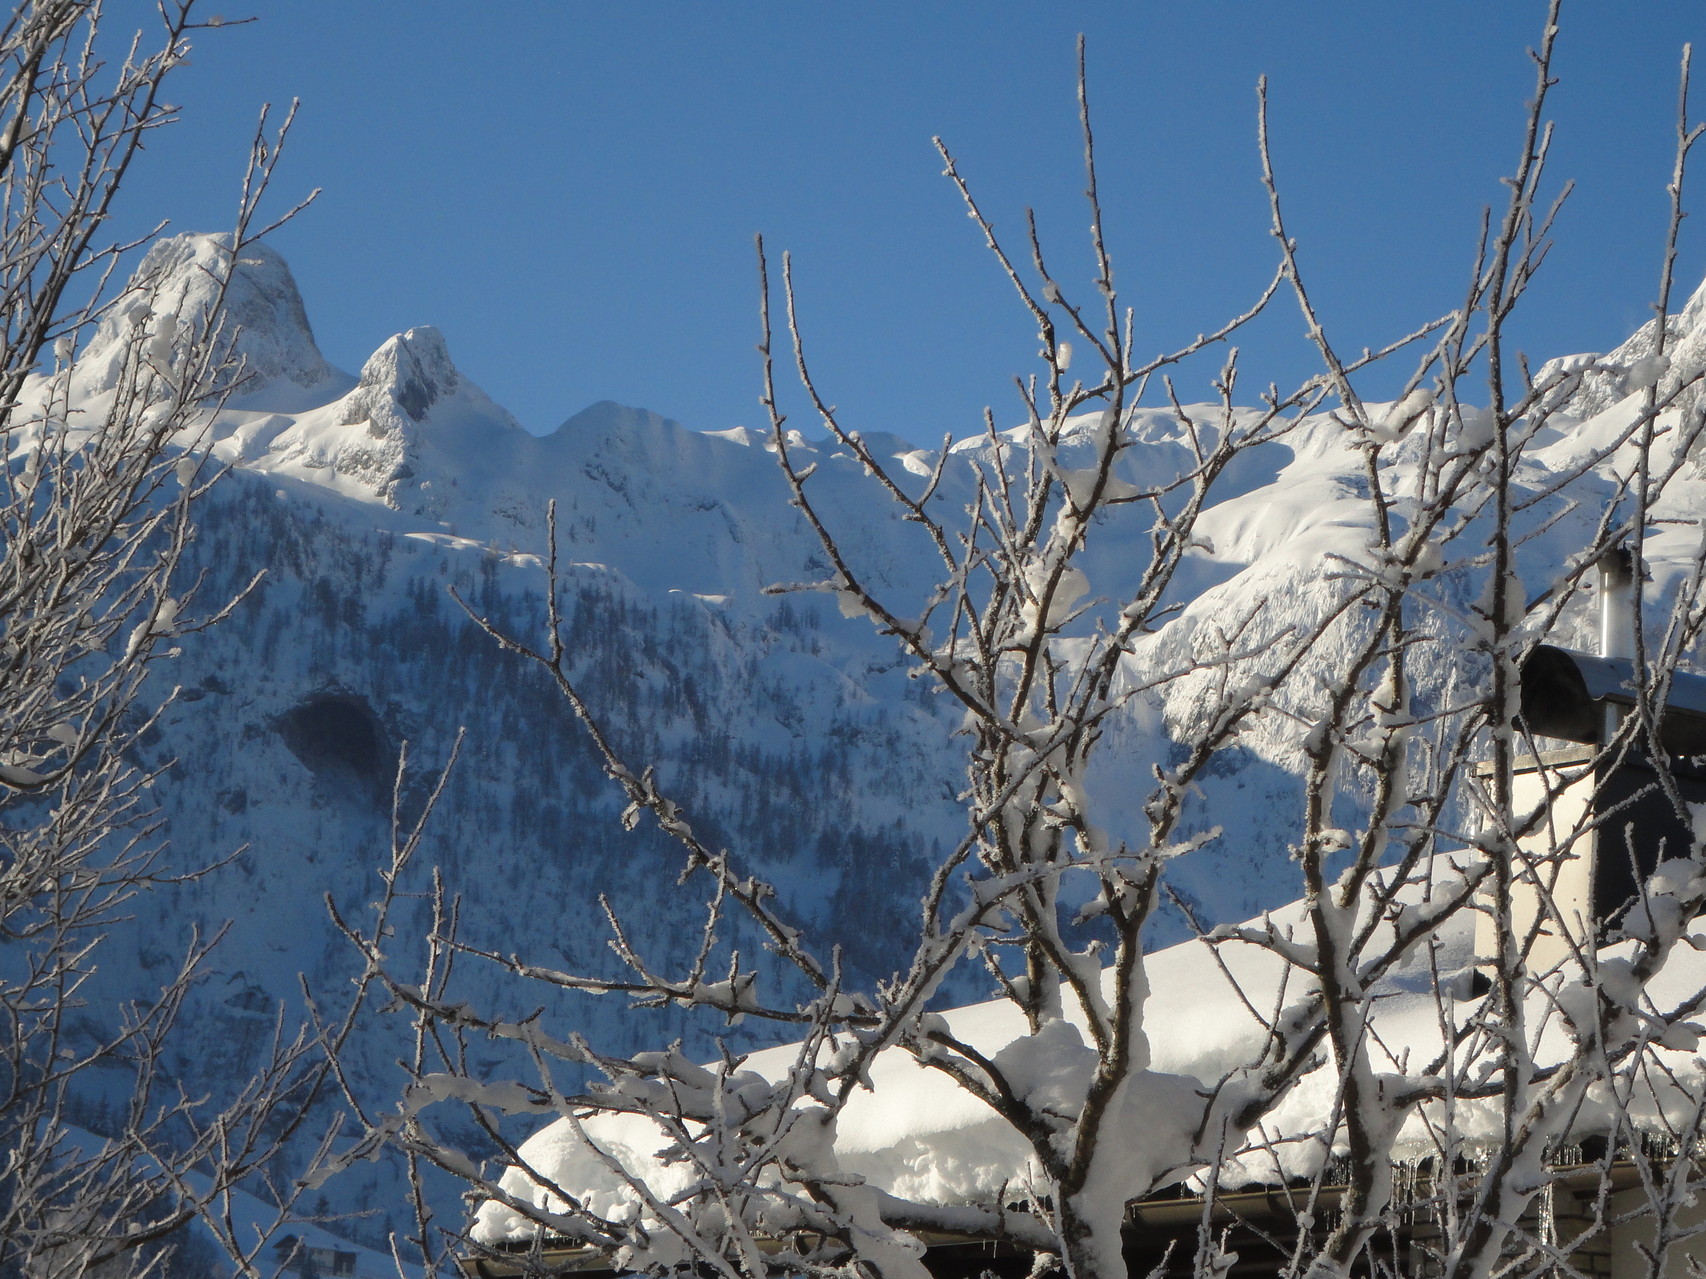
(1617, 603)
(1616, 619)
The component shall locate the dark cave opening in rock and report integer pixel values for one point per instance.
(337, 735)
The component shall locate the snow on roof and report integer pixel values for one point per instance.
(918, 1136)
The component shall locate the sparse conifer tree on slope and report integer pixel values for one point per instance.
(1398, 697)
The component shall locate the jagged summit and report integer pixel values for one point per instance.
(264, 319)
(410, 432)
(401, 381)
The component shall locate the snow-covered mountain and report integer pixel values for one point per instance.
(790, 733)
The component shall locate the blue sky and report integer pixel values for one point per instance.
(569, 190)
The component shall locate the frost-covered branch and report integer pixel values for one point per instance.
(97, 506)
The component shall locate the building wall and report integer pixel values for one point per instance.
(1627, 1239)
(1557, 862)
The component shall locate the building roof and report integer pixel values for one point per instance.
(916, 1135)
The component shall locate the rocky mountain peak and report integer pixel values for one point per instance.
(401, 381)
(181, 277)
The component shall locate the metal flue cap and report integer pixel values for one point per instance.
(1565, 693)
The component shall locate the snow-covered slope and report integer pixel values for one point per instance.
(790, 733)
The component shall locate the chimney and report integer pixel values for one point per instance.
(1616, 620)
(1603, 824)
